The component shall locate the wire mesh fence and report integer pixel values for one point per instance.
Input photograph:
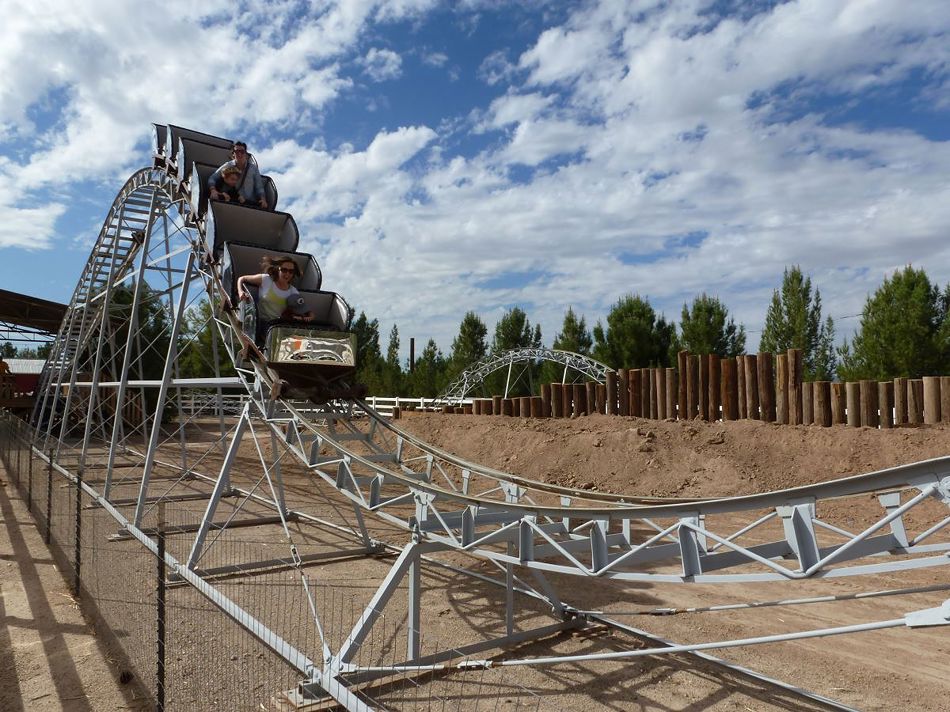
(179, 647)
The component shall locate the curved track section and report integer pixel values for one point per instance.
(115, 399)
(577, 365)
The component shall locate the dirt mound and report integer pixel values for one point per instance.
(675, 459)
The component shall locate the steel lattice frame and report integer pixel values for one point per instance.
(584, 367)
(113, 374)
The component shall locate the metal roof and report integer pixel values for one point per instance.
(25, 366)
(38, 314)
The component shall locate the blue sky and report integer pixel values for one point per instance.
(474, 155)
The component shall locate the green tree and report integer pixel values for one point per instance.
(428, 376)
(793, 321)
(393, 376)
(574, 336)
(41, 351)
(707, 328)
(8, 350)
(634, 336)
(369, 357)
(514, 331)
(902, 331)
(196, 345)
(469, 346)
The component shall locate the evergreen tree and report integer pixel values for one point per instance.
(196, 346)
(901, 333)
(369, 358)
(469, 346)
(794, 321)
(514, 331)
(574, 336)
(8, 350)
(707, 328)
(634, 337)
(392, 373)
(41, 351)
(428, 377)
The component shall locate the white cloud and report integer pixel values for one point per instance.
(435, 59)
(381, 65)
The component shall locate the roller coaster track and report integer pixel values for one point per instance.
(114, 375)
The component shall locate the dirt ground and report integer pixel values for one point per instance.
(49, 657)
(883, 670)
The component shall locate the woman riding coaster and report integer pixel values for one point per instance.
(277, 298)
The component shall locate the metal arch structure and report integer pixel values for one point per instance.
(110, 403)
(584, 366)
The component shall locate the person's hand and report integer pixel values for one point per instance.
(245, 295)
(263, 203)
(225, 197)
(215, 195)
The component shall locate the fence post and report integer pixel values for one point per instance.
(915, 401)
(780, 370)
(931, 399)
(692, 387)
(703, 403)
(808, 403)
(591, 397)
(795, 386)
(900, 401)
(822, 403)
(545, 401)
(77, 572)
(580, 400)
(659, 374)
(624, 392)
(601, 398)
(682, 365)
(714, 397)
(740, 387)
(838, 404)
(29, 483)
(869, 404)
(671, 393)
(49, 498)
(945, 399)
(730, 393)
(160, 609)
(752, 387)
(557, 401)
(611, 393)
(649, 374)
(644, 392)
(766, 387)
(885, 400)
(854, 404)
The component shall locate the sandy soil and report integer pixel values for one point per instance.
(49, 657)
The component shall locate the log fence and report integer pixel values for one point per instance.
(766, 387)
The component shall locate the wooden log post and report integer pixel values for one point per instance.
(644, 392)
(703, 404)
(682, 361)
(545, 400)
(853, 395)
(692, 387)
(496, 405)
(591, 397)
(650, 374)
(900, 401)
(869, 417)
(601, 398)
(808, 403)
(516, 407)
(557, 400)
(477, 406)
(633, 394)
(659, 382)
(822, 398)
(795, 386)
(839, 404)
(714, 396)
(671, 391)
(537, 407)
(781, 388)
(915, 401)
(624, 392)
(766, 377)
(611, 393)
(931, 386)
(945, 399)
(730, 390)
(885, 401)
(468, 409)
(506, 406)
(740, 387)
(567, 400)
(524, 410)
(580, 399)
(751, 387)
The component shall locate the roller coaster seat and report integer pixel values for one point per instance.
(229, 222)
(240, 259)
(201, 172)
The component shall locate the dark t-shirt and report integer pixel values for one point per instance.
(233, 193)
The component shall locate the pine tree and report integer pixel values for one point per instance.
(634, 337)
(393, 376)
(196, 345)
(794, 321)
(8, 350)
(514, 331)
(369, 358)
(575, 337)
(428, 377)
(901, 333)
(469, 346)
(706, 328)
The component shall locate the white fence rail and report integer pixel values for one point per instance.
(207, 404)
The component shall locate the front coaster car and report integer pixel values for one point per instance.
(313, 363)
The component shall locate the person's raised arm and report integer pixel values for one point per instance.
(243, 281)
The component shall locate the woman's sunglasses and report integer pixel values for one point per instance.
(288, 270)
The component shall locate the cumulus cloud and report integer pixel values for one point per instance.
(381, 65)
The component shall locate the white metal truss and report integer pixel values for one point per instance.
(115, 373)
